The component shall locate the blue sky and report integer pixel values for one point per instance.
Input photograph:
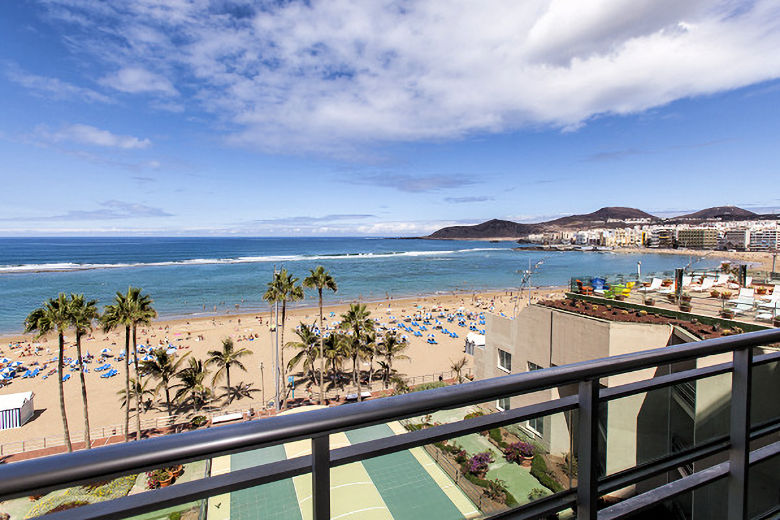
(396, 118)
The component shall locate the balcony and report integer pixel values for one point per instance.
(729, 464)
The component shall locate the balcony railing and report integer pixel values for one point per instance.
(38, 476)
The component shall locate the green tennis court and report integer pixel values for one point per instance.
(404, 485)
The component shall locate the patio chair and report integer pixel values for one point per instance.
(654, 286)
(722, 280)
(705, 285)
(745, 296)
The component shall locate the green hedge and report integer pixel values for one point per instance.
(541, 473)
(428, 386)
(113, 489)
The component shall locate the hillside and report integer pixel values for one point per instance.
(605, 217)
(491, 229)
(600, 216)
(719, 212)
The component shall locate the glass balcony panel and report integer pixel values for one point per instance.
(645, 427)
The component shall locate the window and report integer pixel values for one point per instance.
(503, 404)
(537, 425)
(504, 360)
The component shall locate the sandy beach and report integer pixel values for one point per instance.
(198, 336)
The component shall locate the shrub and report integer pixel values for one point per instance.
(176, 515)
(428, 386)
(495, 435)
(478, 464)
(198, 420)
(540, 472)
(478, 413)
(536, 494)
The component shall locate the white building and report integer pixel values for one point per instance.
(765, 239)
(16, 409)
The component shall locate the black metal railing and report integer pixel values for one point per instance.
(38, 476)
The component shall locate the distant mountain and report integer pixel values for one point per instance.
(605, 217)
(610, 217)
(602, 215)
(491, 229)
(719, 212)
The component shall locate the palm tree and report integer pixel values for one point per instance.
(164, 367)
(120, 314)
(82, 313)
(457, 367)
(358, 323)
(142, 313)
(192, 381)
(225, 358)
(282, 289)
(138, 389)
(240, 391)
(321, 279)
(53, 315)
(307, 350)
(391, 348)
(336, 346)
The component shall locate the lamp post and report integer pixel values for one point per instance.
(262, 386)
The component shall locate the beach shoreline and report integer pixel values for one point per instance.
(196, 336)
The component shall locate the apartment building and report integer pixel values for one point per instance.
(633, 429)
(697, 238)
(765, 239)
(735, 239)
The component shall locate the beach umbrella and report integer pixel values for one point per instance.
(147, 358)
(17, 364)
(4, 360)
(106, 351)
(431, 336)
(171, 350)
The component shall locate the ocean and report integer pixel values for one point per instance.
(200, 276)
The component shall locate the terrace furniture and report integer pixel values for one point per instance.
(705, 285)
(744, 296)
(722, 280)
(748, 282)
(654, 286)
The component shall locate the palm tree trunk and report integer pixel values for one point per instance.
(371, 371)
(356, 377)
(322, 353)
(227, 375)
(138, 383)
(127, 384)
(282, 372)
(87, 439)
(65, 430)
(167, 399)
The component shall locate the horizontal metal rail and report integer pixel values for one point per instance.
(45, 474)
(699, 479)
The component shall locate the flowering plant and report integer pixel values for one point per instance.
(478, 464)
(518, 450)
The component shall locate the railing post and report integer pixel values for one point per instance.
(587, 453)
(741, 380)
(320, 477)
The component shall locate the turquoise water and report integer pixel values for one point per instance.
(197, 276)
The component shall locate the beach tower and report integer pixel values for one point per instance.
(16, 409)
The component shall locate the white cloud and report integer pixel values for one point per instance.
(53, 88)
(89, 135)
(135, 80)
(336, 73)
